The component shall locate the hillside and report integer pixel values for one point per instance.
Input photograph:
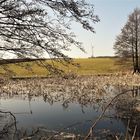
(87, 66)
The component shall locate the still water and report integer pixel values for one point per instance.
(32, 112)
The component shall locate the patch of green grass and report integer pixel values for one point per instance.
(87, 66)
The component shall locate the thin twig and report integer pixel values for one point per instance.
(116, 137)
(126, 135)
(134, 132)
(30, 136)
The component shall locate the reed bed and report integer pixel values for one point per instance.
(85, 90)
(78, 84)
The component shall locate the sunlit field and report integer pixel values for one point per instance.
(86, 66)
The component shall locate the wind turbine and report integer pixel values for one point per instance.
(92, 50)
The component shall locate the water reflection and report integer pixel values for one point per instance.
(136, 91)
(127, 109)
(58, 110)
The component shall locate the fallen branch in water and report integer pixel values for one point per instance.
(90, 133)
(5, 130)
(69, 126)
(30, 136)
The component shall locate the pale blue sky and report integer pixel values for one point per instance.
(113, 15)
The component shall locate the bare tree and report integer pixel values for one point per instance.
(29, 28)
(128, 42)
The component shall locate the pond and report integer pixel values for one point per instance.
(54, 114)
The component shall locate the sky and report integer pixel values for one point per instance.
(113, 15)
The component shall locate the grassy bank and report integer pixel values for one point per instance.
(87, 66)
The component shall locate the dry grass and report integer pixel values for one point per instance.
(88, 66)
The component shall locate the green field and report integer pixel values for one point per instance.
(87, 66)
